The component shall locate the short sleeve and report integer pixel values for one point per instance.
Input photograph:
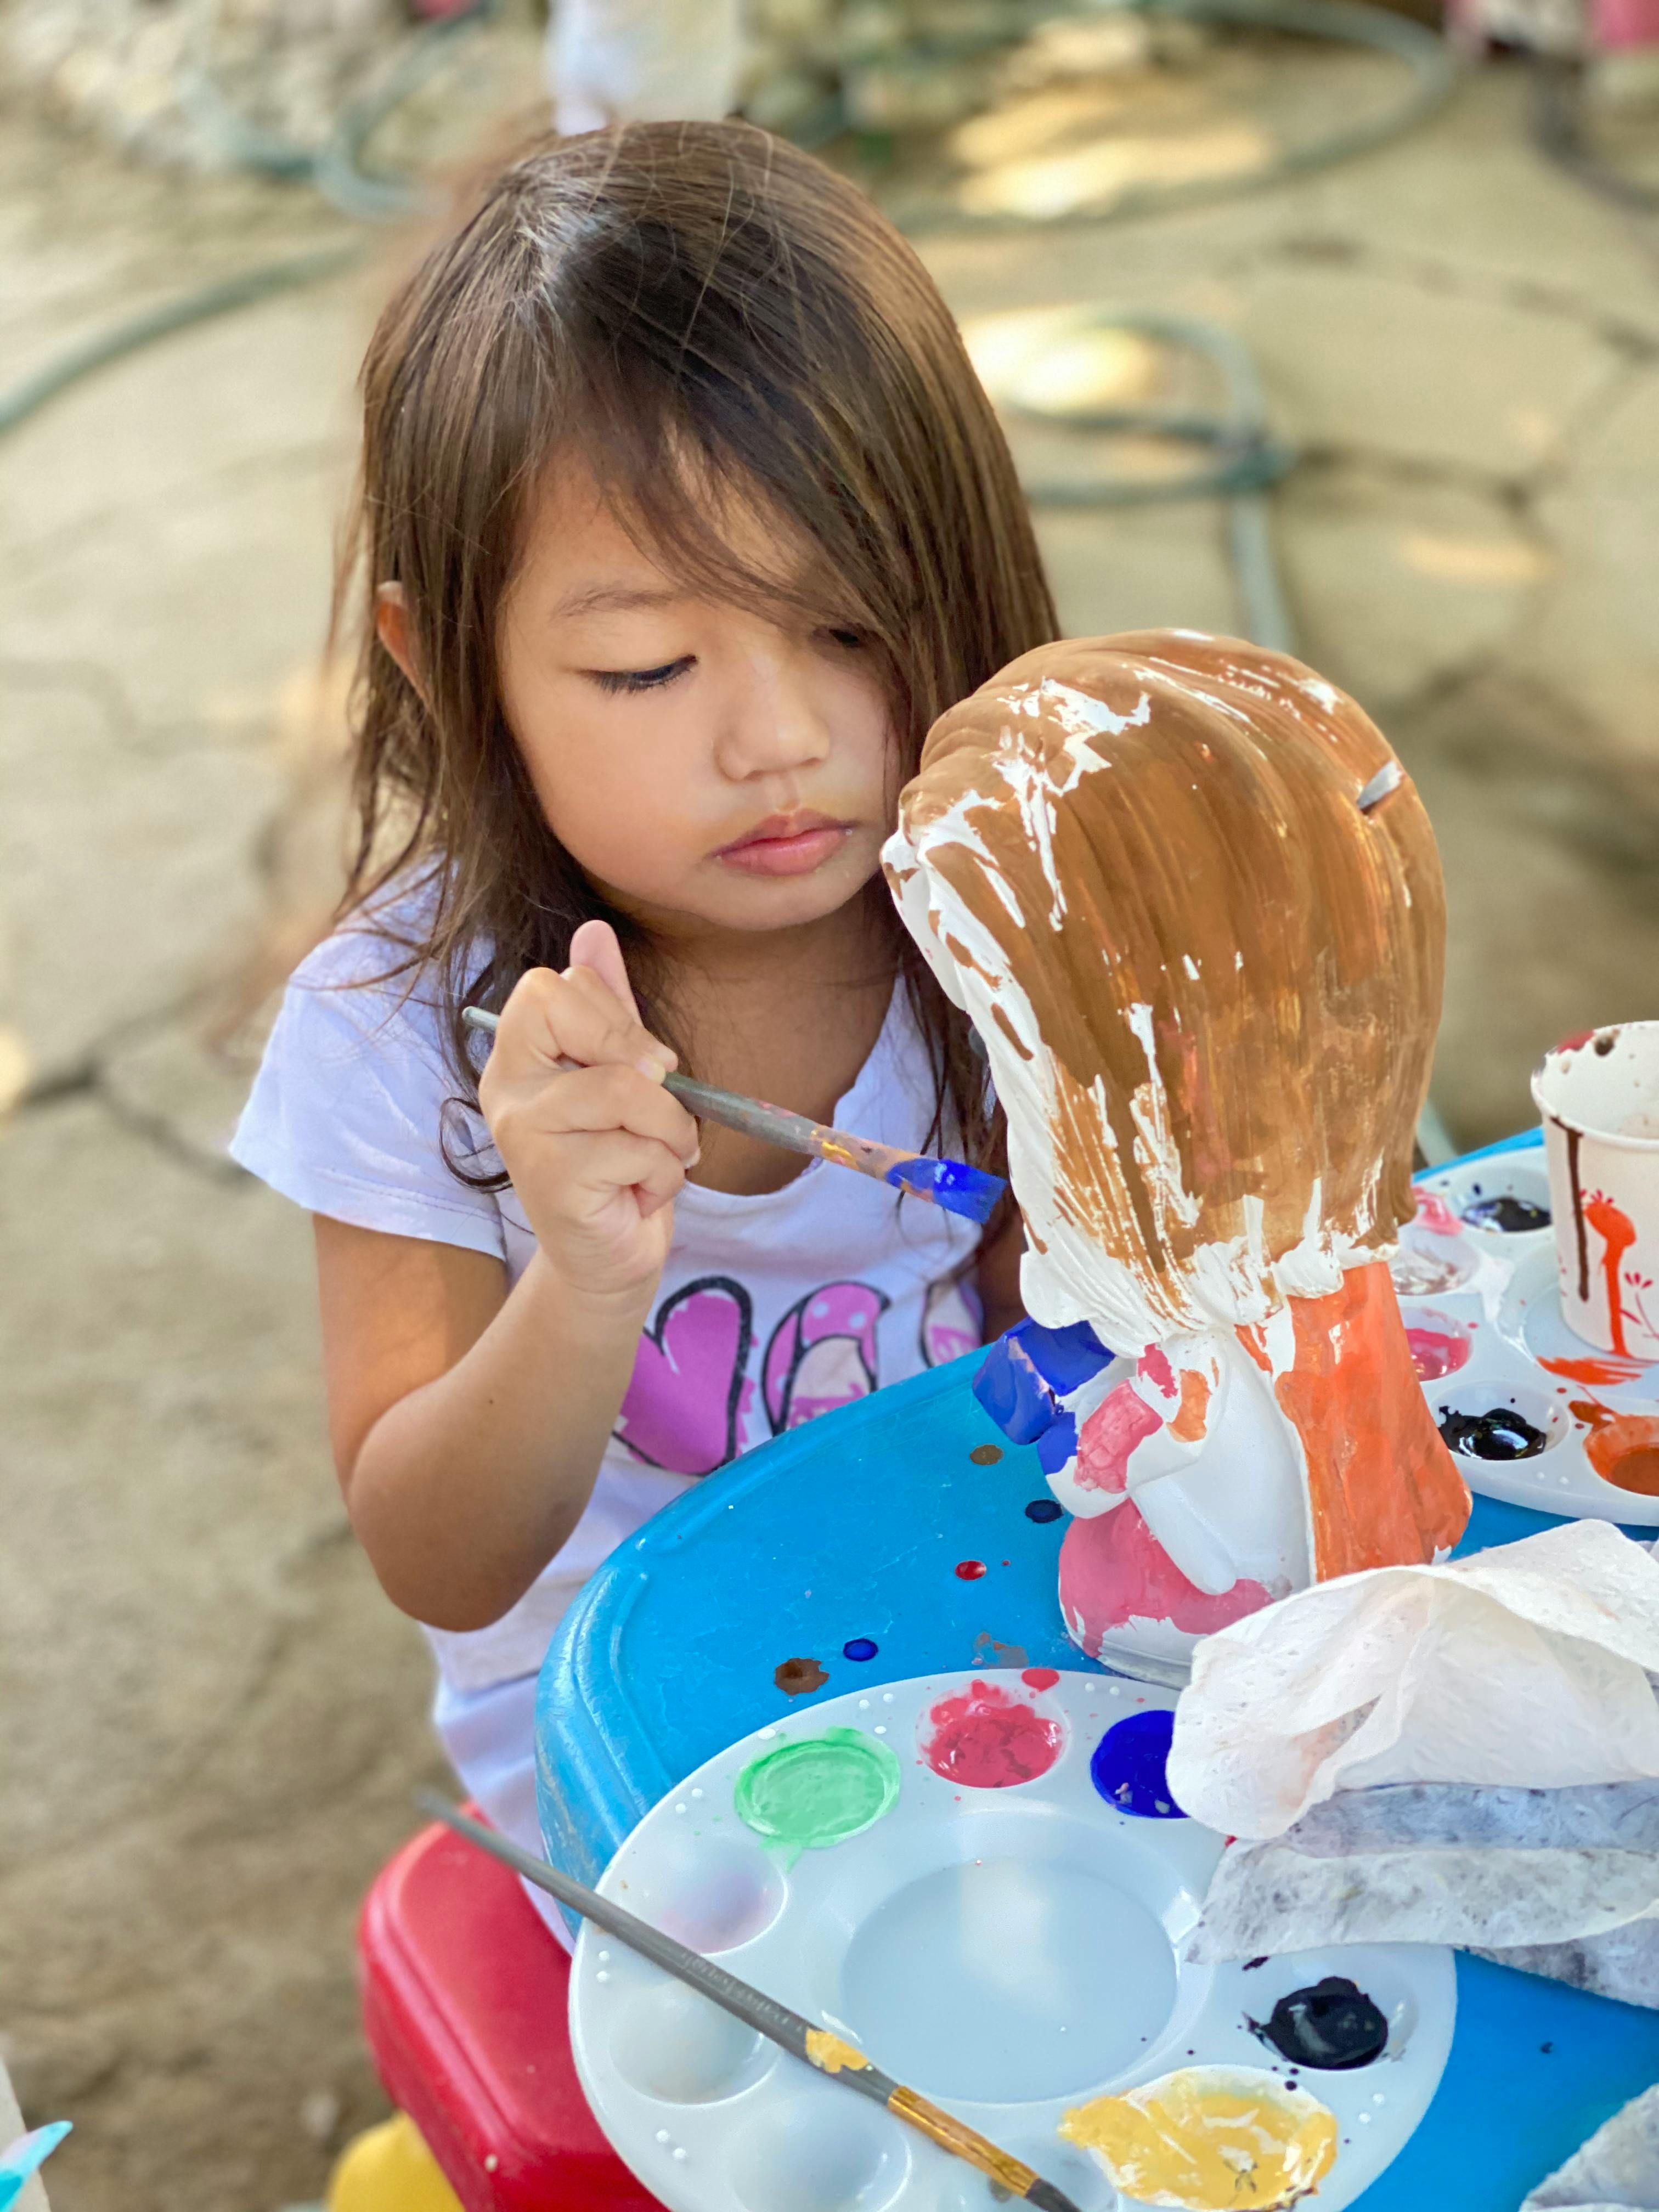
(347, 1113)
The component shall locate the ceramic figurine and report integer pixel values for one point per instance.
(1193, 905)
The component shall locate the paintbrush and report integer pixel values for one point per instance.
(950, 1183)
(816, 2045)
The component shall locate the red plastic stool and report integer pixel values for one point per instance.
(464, 1995)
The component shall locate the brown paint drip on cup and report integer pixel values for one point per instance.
(1574, 1137)
(1217, 872)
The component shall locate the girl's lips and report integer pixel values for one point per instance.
(797, 852)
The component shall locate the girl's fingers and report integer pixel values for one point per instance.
(594, 946)
(617, 1160)
(593, 1100)
(552, 1018)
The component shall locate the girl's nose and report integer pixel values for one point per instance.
(774, 723)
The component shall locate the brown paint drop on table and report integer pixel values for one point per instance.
(796, 1677)
(986, 1455)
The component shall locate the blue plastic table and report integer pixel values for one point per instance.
(853, 1528)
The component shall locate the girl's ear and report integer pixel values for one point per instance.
(391, 628)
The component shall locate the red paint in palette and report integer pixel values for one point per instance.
(969, 1570)
(988, 1739)
(1436, 1352)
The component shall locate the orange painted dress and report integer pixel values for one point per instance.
(1382, 1489)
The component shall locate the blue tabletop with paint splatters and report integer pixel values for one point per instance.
(906, 1535)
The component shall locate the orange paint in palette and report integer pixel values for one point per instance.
(1597, 1371)
(1622, 1447)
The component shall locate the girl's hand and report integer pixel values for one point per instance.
(596, 1152)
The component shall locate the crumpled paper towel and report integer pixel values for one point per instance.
(1526, 1666)
(1557, 1881)
(1616, 2170)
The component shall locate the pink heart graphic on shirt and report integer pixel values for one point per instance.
(686, 1398)
(823, 1353)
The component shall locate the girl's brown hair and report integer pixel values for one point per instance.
(699, 310)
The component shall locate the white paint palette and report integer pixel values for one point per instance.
(1482, 1306)
(1009, 1951)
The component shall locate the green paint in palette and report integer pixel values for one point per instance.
(818, 1790)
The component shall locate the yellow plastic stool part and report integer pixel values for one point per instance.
(390, 2169)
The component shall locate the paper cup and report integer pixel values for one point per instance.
(1599, 1096)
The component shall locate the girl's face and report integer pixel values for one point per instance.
(704, 766)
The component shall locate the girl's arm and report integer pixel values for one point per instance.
(997, 1275)
(468, 1423)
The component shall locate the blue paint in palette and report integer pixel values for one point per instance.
(859, 1647)
(1128, 1767)
(1044, 1508)
(950, 1183)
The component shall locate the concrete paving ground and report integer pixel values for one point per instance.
(210, 1720)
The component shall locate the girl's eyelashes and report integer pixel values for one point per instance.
(848, 640)
(641, 679)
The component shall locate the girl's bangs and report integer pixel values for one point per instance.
(715, 512)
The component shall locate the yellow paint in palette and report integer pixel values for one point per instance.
(1210, 2138)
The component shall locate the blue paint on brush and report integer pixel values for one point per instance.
(950, 1183)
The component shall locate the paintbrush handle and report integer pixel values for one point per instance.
(757, 2010)
(750, 1117)
(952, 1184)
(754, 1117)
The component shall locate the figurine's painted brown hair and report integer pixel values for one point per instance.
(1237, 948)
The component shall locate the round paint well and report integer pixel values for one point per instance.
(1331, 2025)
(1499, 1199)
(1482, 1422)
(1440, 1345)
(828, 2153)
(712, 1892)
(1008, 1979)
(819, 1791)
(1129, 1766)
(670, 2043)
(1427, 1266)
(860, 1647)
(1624, 1450)
(986, 1738)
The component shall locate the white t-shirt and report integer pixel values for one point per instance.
(772, 1308)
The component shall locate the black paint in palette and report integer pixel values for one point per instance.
(1331, 2025)
(1513, 1216)
(1501, 1433)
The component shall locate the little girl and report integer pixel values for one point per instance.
(683, 515)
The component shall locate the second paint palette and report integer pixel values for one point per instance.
(1534, 1414)
(980, 1881)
